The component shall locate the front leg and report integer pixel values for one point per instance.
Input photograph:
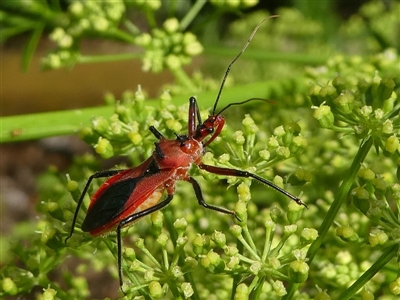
(240, 173)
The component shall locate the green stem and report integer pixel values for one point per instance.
(340, 197)
(108, 58)
(42, 125)
(375, 268)
(191, 14)
(184, 79)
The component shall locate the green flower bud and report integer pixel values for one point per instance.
(387, 127)
(295, 212)
(190, 263)
(366, 111)
(385, 88)
(274, 263)
(379, 184)
(316, 98)
(129, 253)
(176, 272)
(214, 258)
(173, 62)
(279, 288)
(298, 271)
(72, 185)
(174, 125)
(243, 191)
(241, 211)
(343, 258)
(198, 244)
(324, 116)
(344, 103)
(394, 286)
(181, 241)
(249, 126)
(219, 238)
(255, 268)
(242, 292)
(264, 154)
(392, 144)
(100, 124)
(339, 83)
(135, 138)
(378, 114)
(309, 235)
(104, 148)
(139, 243)
(238, 137)
(273, 142)
(236, 230)
(366, 174)
(283, 152)
(49, 294)
(180, 225)
(171, 25)
(233, 262)
(224, 158)
(231, 250)
(162, 239)
(9, 286)
(377, 237)
(279, 131)
(290, 229)
(363, 86)
(329, 92)
(187, 289)
(155, 290)
(347, 233)
(322, 295)
(157, 218)
(205, 261)
(76, 8)
(360, 193)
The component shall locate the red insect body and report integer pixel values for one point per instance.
(131, 194)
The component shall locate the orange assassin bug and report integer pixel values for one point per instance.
(130, 194)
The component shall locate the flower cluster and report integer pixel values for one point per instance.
(364, 105)
(168, 47)
(270, 257)
(83, 18)
(126, 131)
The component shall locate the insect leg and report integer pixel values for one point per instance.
(100, 174)
(200, 199)
(240, 173)
(131, 219)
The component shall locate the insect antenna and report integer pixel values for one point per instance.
(235, 59)
(243, 102)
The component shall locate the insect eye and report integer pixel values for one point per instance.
(210, 129)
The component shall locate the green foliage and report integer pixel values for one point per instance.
(337, 145)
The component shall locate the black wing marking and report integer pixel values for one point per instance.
(109, 204)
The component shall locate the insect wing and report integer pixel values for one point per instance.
(109, 204)
(119, 197)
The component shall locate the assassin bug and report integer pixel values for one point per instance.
(131, 194)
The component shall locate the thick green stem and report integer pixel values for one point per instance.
(191, 14)
(42, 125)
(340, 197)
